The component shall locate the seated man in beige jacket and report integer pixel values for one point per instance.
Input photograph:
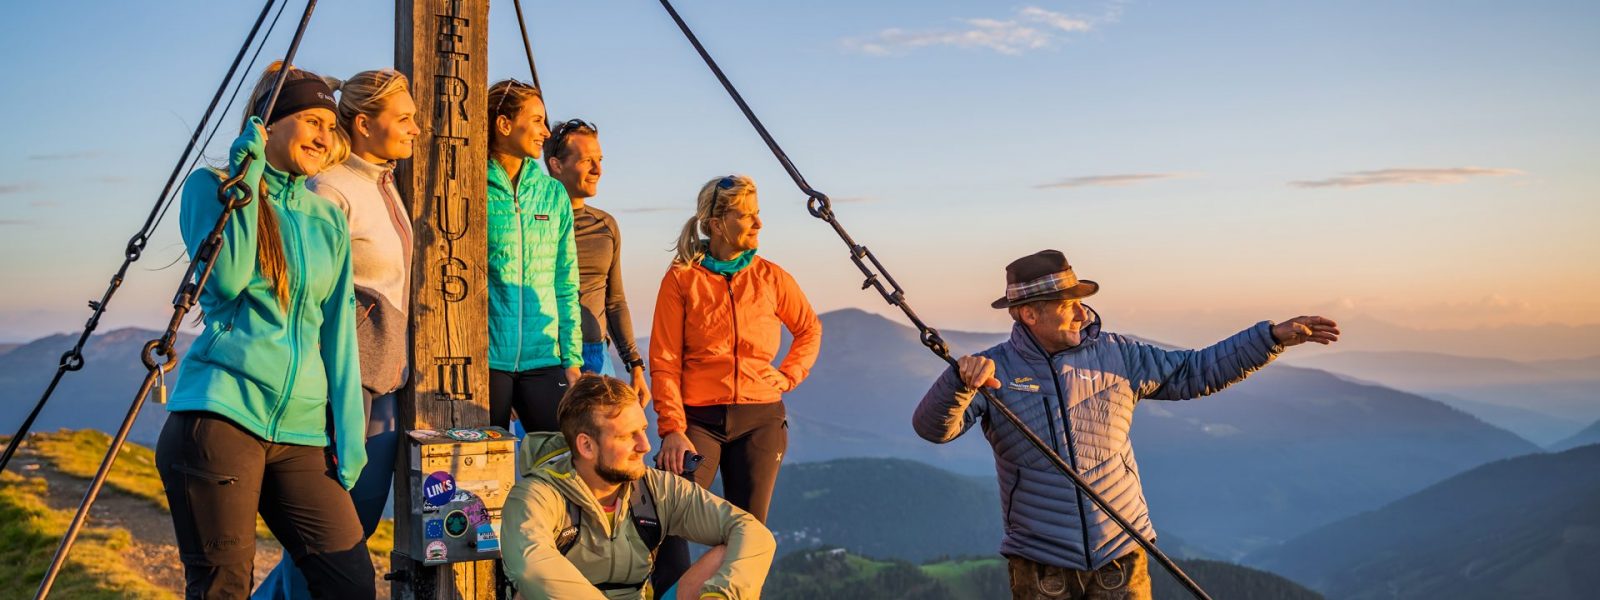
(587, 515)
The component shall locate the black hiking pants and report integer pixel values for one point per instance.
(219, 476)
(534, 394)
(746, 443)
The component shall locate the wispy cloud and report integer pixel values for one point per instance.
(74, 155)
(7, 222)
(1121, 180)
(1029, 28)
(17, 188)
(1406, 176)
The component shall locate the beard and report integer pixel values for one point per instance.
(620, 474)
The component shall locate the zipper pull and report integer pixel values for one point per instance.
(161, 383)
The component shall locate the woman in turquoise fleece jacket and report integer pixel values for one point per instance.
(248, 429)
(535, 332)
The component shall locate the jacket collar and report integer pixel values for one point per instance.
(498, 177)
(1022, 341)
(278, 181)
(366, 170)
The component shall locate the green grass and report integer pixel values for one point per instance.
(78, 454)
(957, 574)
(29, 533)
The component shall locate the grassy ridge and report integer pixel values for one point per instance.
(30, 530)
(29, 533)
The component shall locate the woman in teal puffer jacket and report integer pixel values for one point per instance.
(535, 333)
(248, 429)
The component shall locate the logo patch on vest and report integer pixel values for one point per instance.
(1021, 384)
(541, 217)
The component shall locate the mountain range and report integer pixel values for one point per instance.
(1527, 527)
(1542, 400)
(96, 397)
(1285, 451)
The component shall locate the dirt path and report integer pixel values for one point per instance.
(154, 554)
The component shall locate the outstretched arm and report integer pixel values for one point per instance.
(1183, 374)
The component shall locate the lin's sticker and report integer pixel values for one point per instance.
(487, 540)
(438, 489)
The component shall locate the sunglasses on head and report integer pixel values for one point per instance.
(558, 134)
(514, 84)
(726, 183)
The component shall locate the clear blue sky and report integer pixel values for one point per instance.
(1445, 152)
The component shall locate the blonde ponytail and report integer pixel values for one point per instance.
(716, 197)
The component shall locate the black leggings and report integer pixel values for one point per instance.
(744, 441)
(218, 476)
(534, 393)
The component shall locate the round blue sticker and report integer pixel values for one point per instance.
(439, 488)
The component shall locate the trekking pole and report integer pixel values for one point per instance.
(820, 207)
(73, 360)
(527, 45)
(194, 280)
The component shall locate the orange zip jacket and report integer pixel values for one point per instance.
(714, 338)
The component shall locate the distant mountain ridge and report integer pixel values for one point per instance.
(1526, 527)
(1589, 435)
(1542, 400)
(1286, 451)
(96, 397)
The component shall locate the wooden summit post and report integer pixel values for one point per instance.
(442, 46)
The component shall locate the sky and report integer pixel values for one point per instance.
(1426, 164)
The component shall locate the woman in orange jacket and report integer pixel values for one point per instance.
(713, 342)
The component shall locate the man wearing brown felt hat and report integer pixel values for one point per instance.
(1076, 387)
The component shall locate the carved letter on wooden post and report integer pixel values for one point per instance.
(442, 46)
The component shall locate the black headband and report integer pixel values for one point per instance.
(298, 95)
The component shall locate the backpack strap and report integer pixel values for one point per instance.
(642, 509)
(568, 536)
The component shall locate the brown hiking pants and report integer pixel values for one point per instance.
(1124, 578)
(746, 443)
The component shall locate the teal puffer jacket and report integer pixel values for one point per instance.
(271, 369)
(533, 272)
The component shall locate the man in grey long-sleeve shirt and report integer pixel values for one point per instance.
(1076, 388)
(572, 155)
